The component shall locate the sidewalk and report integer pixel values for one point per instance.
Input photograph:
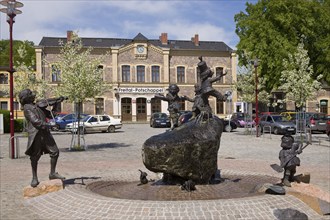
(117, 157)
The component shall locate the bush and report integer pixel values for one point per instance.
(6, 120)
(18, 123)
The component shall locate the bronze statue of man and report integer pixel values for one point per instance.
(40, 140)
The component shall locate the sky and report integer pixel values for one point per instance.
(212, 20)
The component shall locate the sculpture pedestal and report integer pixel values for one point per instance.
(44, 187)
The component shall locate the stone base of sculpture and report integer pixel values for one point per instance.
(44, 187)
(188, 152)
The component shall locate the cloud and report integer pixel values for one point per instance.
(125, 19)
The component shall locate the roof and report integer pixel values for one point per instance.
(119, 42)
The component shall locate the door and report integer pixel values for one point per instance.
(156, 105)
(141, 106)
(126, 109)
(104, 122)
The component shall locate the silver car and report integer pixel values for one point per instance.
(277, 124)
(96, 123)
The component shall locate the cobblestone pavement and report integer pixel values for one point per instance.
(117, 157)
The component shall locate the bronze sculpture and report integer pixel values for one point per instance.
(173, 100)
(40, 140)
(288, 158)
(206, 81)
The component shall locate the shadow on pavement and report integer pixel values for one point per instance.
(73, 180)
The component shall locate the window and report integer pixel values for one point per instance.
(78, 106)
(56, 73)
(140, 74)
(219, 71)
(324, 106)
(16, 105)
(125, 73)
(100, 68)
(4, 105)
(3, 78)
(155, 74)
(180, 74)
(220, 108)
(104, 118)
(182, 105)
(99, 106)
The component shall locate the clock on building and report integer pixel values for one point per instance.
(140, 48)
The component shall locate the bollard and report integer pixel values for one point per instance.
(16, 147)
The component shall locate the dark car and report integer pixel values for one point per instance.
(159, 119)
(277, 124)
(328, 126)
(62, 120)
(316, 121)
(184, 117)
(229, 125)
(242, 119)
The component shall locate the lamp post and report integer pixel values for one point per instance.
(256, 64)
(11, 11)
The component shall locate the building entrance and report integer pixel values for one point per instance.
(141, 109)
(126, 109)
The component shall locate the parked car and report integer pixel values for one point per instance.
(328, 126)
(96, 123)
(242, 119)
(278, 124)
(159, 119)
(184, 117)
(229, 127)
(61, 120)
(316, 121)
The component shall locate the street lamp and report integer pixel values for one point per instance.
(11, 11)
(256, 64)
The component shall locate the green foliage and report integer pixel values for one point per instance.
(18, 123)
(25, 76)
(272, 29)
(296, 78)
(6, 120)
(245, 85)
(80, 76)
(29, 59)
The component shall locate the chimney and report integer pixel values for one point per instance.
(163, 38)
(69, 36)
(195, 40)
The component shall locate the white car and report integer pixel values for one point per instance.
(96, 123)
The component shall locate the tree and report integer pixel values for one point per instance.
(271, 29)
(29, 59)
(245, 85)
(296, 78)
(25, 76)
(80, 75)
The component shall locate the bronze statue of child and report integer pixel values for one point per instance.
(288, 158)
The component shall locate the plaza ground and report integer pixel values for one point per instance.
(117, 157)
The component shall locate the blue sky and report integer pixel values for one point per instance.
(211, 20)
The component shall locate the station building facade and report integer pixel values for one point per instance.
(134, 70)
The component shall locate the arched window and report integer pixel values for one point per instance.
(3, 78)
(125, 73)
(219, 71)
(56, 73)
(140, 73)
(180, 74)
(155, 76)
